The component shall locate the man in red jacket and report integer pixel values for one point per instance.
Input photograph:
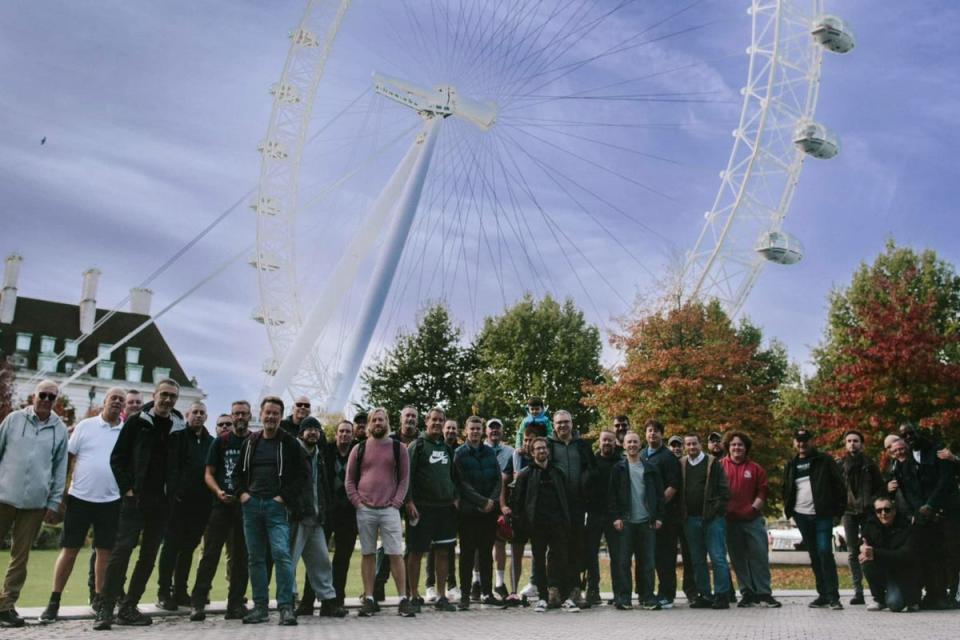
(746, 530)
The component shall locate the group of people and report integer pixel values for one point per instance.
(143, 475)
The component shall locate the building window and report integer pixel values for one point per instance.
(103, 350)
(105, 370)
(133, 355)
(134, 372)
(23, 341)
(47, 362)
(48, 344)
(70, 348)
(159, 373)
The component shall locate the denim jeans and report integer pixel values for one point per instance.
(851, 531)
(636, 540)
(817, 535)
(599, 526)
(708, 537)
(265, 525)
(747, 544)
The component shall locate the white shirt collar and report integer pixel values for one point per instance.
(695, 461)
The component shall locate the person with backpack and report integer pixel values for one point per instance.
(376, 479)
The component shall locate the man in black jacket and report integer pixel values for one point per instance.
(190, 508)
(540, 505)
(813, 495)
(889, 558)
(863, 481)
(139, 465)
(668, 535)
(635, 507)
(270, 479)
(599, 521)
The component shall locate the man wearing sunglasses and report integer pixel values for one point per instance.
(33, 473)
(888, 555)
(301, 411)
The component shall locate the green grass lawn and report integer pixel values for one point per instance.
(40, 574)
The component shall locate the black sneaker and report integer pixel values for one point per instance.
(416, 604)
(651, 604)
(332, 609)
(475, 592)
(502, 591)
(767, 600)
(593, 597)
(10, 618)
(464, 603)
(198, 614)
(104, 620)
(701, 603)
(748, 600)
(368, 608)
(131, 616)
(50, 614)
(95, 603)
(836, 605)
(305, 608)
(287, 617)
(256, 616)
(490, 600)
(406, 608)
(820, 603)
(721, 602)
(236, 612)
(442, 604)
(166, 602)
(857, 598)
(182, 599)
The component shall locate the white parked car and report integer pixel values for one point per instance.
(789, 539)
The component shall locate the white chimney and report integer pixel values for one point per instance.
(8, 296)
(140, 300)
(88, 300)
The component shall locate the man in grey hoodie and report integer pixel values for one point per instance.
(33, 472)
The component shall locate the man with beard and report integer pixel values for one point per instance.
(599, 521)
(504, 453)
(451, 435)
(864, 483)
(521, 460)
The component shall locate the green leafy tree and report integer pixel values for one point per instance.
(540, 348)
(426, 368)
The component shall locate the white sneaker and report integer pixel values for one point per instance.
(570, 606)
(529, 591)
(453, 594)
(431, 595)
(541, 606)
(875, 606)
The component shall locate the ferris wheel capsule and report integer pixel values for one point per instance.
(779, 247)
(833, 34)
(816, 140)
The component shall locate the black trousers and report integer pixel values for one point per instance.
(666, 559)
(599, 527)
(188, 520)
(142, 521)
(551, 544)
(576, 556)
(225, 523)
(477, 534)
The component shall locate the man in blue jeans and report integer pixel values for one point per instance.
(269, 480)
(814, 495)
(704, 504)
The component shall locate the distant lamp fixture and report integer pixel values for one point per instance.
(92, 394)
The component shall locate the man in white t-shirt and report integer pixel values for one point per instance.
(93, 498)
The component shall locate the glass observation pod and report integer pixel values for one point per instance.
(816, 140)
(833, 34)
(780, 247)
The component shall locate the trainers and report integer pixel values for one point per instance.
(475, 592)
(305, 607)
(10, 618)
(236, 612)
(166, 602)
(287, 617)
(529, 591)
(332, 609)
(95, 603)
(490, 600)
(541, 606)
(198, 614)
(721, 602)
(857, 598)
(464, 603)
(431, 595)
(767, 600)
(913, 608)
(416, 604)
(405, 609)
(443, 604)
(623, 606)
(836, 605)
(701, 603)
(131, 616)
(665, 603)
(651, 605)
(104, 619)
(593, 597)
(512, 600)
(876, 606)
(51, 613)
(820, 603)
(569, 606)
(748, 600)
(453, 593)
(256, 616)
(368, 608)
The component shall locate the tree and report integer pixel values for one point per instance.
(426, 368)
(690, 368)
(6, 388)
(891, 352)
(539, 348)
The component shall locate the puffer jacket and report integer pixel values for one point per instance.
(33, 461)
(479, 473)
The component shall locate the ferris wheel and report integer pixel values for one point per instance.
(476, 150)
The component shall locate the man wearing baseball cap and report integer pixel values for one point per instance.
(715, 445)
(813, 495)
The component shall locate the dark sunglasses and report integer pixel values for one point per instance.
(617, 425)
(224, 424)
(884, 509)
(44, 395)
(302, 405)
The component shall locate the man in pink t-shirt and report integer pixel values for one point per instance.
(376, 479)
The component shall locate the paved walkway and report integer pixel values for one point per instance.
(795, 621)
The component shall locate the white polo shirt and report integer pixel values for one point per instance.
(92, 442)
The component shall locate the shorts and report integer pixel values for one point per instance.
(386, 522)
(437, 527)
(104, 517)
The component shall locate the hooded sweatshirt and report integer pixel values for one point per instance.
(433, 480)
(748, 481)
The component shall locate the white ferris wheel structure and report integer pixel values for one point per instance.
(476, 101)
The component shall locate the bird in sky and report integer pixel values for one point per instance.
(43, 140)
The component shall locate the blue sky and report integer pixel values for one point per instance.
(152, 113)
